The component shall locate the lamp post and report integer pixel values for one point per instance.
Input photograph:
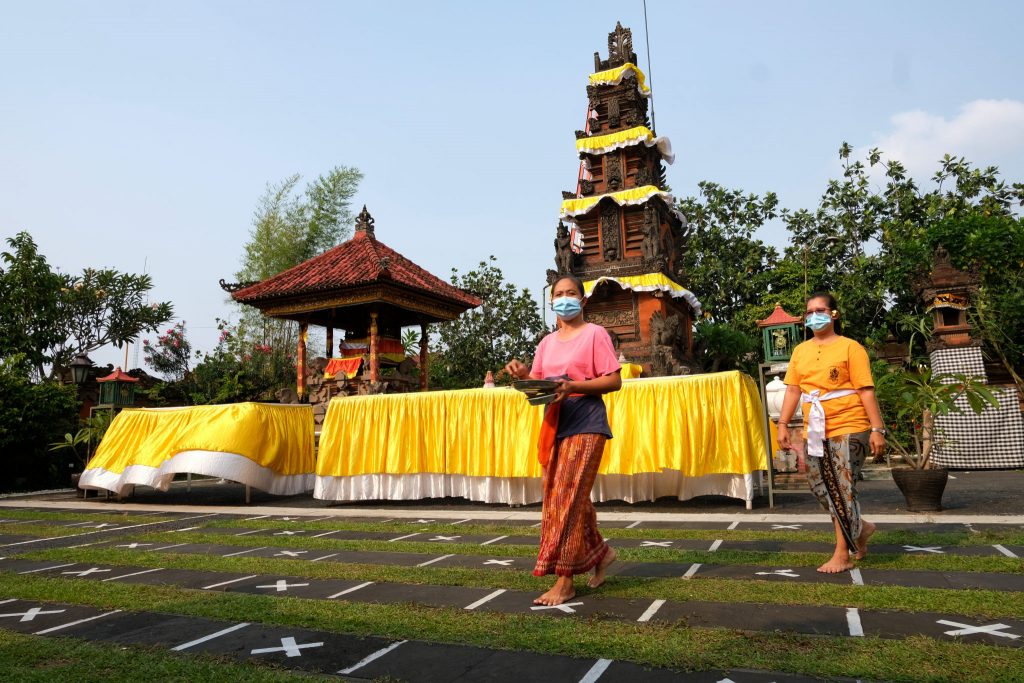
(80, 367)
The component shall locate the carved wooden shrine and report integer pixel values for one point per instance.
(632, 236)
(364, 288)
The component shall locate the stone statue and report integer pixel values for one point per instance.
(563, 250)
(650, 247)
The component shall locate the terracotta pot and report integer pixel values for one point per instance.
(922, 489)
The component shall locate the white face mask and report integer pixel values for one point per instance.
(817, 321)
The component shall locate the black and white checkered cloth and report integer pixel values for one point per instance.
(963, 361)
(992, 440)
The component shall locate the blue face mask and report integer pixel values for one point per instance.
(817, 321)
(567, 307)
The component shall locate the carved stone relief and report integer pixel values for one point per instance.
(563, 250)
(611, 236)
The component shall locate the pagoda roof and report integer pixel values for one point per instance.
(778, 317)
(118, 375)
(358, 263)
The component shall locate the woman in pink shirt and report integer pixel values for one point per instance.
(580, 356)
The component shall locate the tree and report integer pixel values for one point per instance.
(506, 325)
(289, 228)
(725, 265)
(49, 316)
(872, 247)
(29, 304)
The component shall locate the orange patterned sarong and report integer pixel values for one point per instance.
(569, 540)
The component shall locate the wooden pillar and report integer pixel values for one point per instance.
(330, 342)
(374, 359)
(300, 363)
(424, 359)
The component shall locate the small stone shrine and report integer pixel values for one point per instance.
(995, 438)
(619, 231)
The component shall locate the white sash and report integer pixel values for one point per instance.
(816, 418)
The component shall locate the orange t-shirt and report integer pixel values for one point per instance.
(839, 364)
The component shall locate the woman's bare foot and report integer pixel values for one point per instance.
(867, 528)
(562, 591)
(598, 578)
(840, 562)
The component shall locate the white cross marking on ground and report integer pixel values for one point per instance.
(288, 519)
(967, 629)
(288, 646)
(445, 538)
(503, 563)
(290, 553)
(101, 525)
(789, 573)
(937, 549)
(786, 526)
(566, 607)
(86, 572)
(288, 533)
(32, 613)
(282, 585)
(424, 521)
(133, 545)
(660, 544)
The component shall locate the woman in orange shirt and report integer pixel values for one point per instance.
(831, 376)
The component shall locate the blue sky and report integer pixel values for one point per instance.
(140, 135)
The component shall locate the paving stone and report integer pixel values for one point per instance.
(783, 526)
(755, 617)
(583, 605)
(484, 562)
(31, 616)
(293, 586)
(433, 596)
(294, 648)
(891, 624)
(143, 628)
(650, 569)
(671, 544)
(627, 672)
(415, 661)
(986, 581)
(13, 538)
(784, 574)
(900, 577)
(709, 525)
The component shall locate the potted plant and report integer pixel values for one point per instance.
(912, 399)
(92, 431)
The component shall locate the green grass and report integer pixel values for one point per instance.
(37, 659)
(119, 517)
(1010, 536)
(669, 645)
(995, 563)
(978, 603)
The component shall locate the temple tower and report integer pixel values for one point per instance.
(626, 234)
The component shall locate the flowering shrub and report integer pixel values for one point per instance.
(171, 354)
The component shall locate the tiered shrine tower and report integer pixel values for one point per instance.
(627, 234)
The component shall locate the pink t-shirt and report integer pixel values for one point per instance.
(588, 355)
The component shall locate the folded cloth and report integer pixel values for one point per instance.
(816, 418)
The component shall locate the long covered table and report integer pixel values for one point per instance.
(266, 446)
(679, 436)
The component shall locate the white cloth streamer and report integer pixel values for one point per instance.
(816, 418)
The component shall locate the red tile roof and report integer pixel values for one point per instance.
(359, 261)
(117, 375)
(778, 317)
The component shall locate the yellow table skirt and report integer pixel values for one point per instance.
(699, 425)
(266, 446)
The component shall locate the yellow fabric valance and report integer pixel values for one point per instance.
(648, 282)
(572, 208)
(615, 76)
(601, 144)
(704, 424)
(265, 445)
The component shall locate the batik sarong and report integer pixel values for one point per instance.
(833, 479)
(569, 540)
